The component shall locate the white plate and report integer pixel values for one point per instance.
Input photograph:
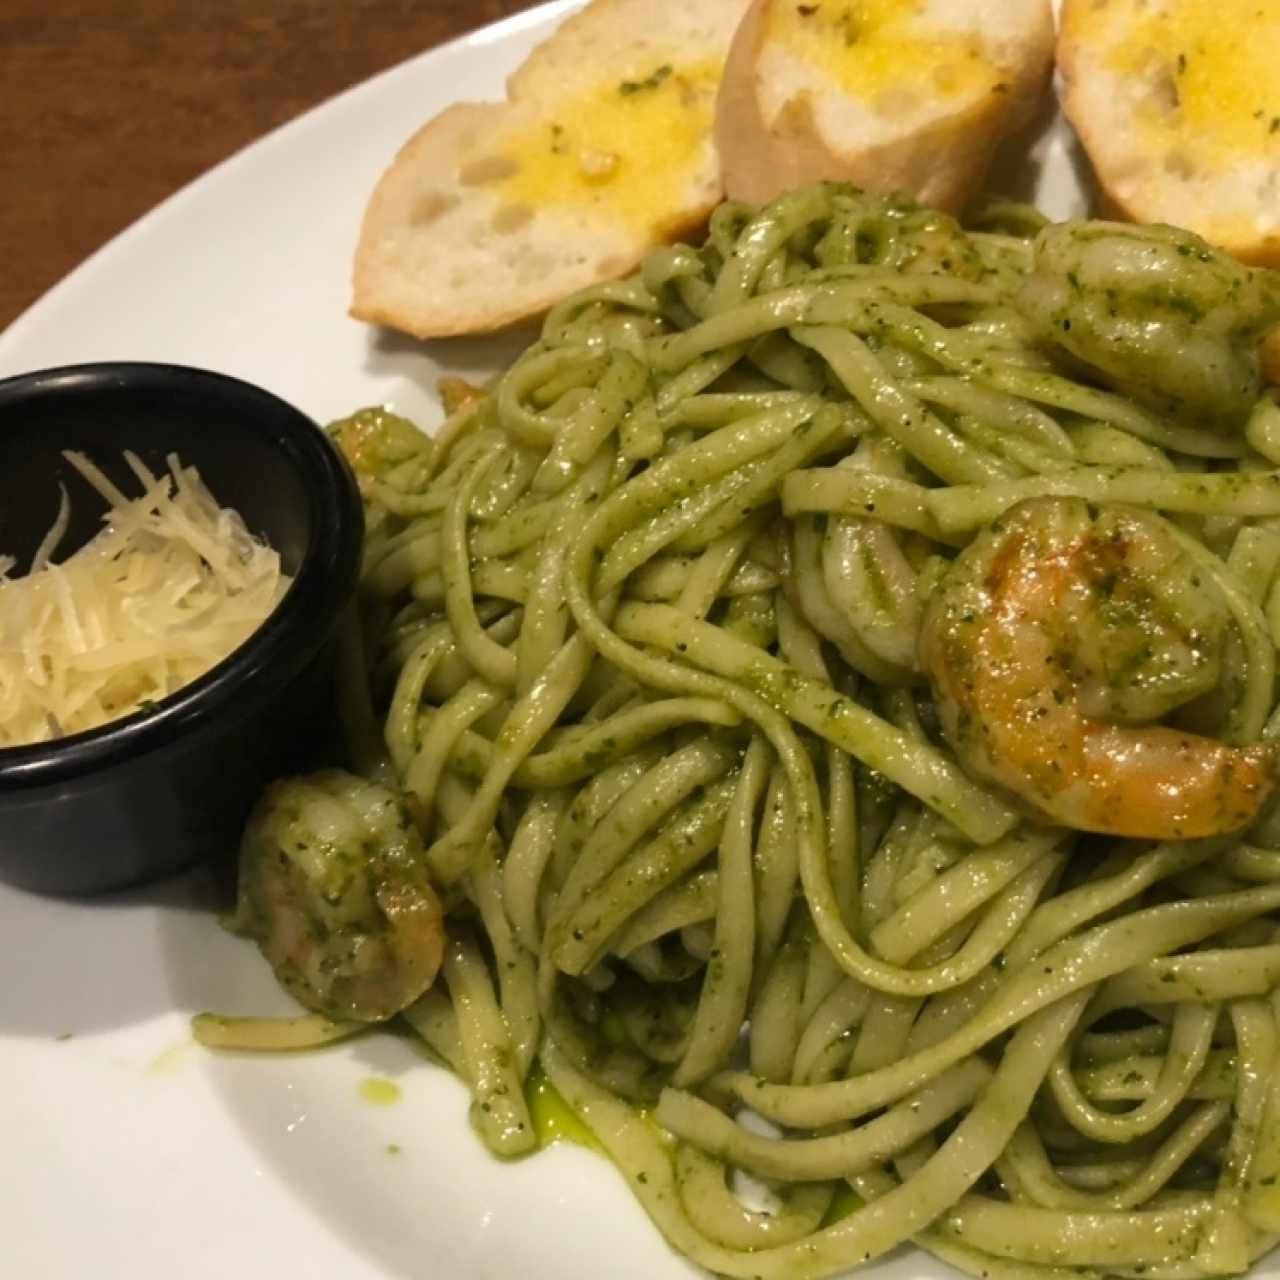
(126, 1149)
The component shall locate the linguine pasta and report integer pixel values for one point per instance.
(643, 627)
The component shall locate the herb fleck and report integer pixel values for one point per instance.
(628, 87)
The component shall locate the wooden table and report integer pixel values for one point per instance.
(108, 106)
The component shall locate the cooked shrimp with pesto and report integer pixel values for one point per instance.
(334, 890)
(831, 677)
(1055, 641)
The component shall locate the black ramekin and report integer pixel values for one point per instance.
(159, 790)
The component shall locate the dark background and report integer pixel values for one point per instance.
(108, 106)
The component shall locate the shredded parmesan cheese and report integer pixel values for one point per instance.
(168, 588)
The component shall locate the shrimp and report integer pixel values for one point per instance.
(1160, 314)
(1054, 642)
(334, 888)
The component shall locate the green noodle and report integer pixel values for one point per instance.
(642, 624)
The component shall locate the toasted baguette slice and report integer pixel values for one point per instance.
(1177, 103)
(492, 212)
(888, 94)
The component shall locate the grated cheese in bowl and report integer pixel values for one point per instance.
(170, 586)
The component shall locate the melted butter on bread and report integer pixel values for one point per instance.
(621, 148)
(1212, 70)
(875, 48)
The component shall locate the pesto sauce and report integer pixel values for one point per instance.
(379, 1091)
(553, 1119)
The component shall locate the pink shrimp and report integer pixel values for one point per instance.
(1056, 641)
